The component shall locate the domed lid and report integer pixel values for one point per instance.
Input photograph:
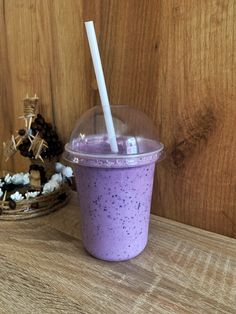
(136, 137)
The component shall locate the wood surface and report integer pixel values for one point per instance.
(173, 59)
(44, 269)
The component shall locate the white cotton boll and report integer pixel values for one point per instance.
(17, 178)
(32, 194)
(17, 196)
(1, 183)
(57, 177)
(50, 186)
(67, 172)
(25, 179)
(1, 193)
(59, 167)
(47, 188)
(7, 178)
(54, 185)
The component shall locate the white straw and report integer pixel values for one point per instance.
(101, 85)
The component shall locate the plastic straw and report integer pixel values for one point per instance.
(101, 85)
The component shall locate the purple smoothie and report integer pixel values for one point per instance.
(114, 193)
(115, 209)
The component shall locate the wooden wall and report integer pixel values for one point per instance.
(174, 59)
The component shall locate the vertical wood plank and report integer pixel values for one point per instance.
(197, 181)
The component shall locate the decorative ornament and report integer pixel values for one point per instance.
(37, 146)
(37, 140)
(47, 184)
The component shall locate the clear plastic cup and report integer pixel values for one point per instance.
(115, 190)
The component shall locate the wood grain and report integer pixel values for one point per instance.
(172, 59)
(44, 269)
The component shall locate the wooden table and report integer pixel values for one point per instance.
(44, 269)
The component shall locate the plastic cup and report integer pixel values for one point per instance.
(115, 190)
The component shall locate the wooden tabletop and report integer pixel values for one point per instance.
(44, 269)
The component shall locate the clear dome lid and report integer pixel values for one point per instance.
(136, 136)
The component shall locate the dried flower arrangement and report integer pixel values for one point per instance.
(46, 186)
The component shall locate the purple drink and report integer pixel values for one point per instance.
(115, 209)
(115, 192)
